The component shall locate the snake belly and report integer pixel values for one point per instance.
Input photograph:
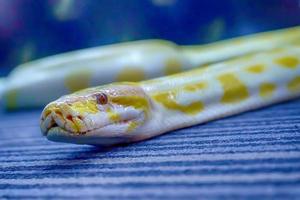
(129, 112)
(36, 83)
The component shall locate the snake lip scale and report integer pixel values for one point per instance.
(52, 125)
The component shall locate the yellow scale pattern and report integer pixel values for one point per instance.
(267, 89)
(173, 66)
(132, 125)
(195, 87)
(168, 100)
(234, 90)
(288, 62)
(134, 74)
(294, 85)
(89, 106)
(256, 69)
(134, 101)
(78, 80)
(113, 116)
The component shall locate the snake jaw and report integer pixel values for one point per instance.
(62, 117)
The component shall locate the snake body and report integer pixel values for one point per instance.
(36, 83)
(134, 111)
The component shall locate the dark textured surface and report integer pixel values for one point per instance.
(255, 155)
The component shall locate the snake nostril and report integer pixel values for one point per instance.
(79, 117)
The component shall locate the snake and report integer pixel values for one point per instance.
(36, 83)
(125, 112)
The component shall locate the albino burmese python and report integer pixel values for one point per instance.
(265, 70)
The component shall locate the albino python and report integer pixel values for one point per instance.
(128, 111)
(250, 72)
(36, 83)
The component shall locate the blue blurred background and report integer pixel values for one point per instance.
(31, 29)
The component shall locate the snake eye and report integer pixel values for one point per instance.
(101, 98)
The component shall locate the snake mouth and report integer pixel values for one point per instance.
(56, 122)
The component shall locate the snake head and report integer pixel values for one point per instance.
(99, 116)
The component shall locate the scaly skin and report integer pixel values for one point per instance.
(128, 112)
(37, 83)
